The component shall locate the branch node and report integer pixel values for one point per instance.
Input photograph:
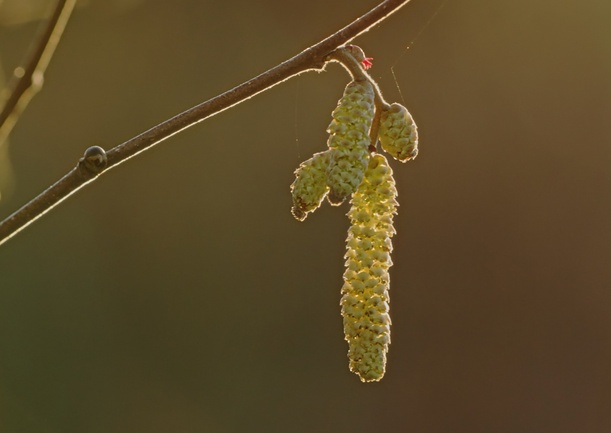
(93, 162)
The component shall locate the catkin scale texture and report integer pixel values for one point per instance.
(365, 297)
(310, 186)
(349, 140)
(398, 133)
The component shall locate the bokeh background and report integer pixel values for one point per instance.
(178, 294)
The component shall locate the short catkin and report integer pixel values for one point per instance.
(365, 300)
(398, 133)
(349, 140)
(310, 186)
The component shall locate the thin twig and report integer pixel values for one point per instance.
(28, 79)
(313, 58)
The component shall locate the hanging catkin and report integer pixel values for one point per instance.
(398, 133)
(365, 300)
(310, 185)
(351, 167)
(349, 140)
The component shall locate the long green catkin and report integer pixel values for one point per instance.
(365, 300)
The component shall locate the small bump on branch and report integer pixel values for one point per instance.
(93, 162)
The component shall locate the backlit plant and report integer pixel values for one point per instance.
(351, 167)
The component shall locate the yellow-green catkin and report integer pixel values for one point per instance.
(349, 140)
(310, 186)
(365, 300)
(398, 133)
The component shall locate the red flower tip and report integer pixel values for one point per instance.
(367, 63)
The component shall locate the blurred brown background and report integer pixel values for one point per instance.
(178, 294)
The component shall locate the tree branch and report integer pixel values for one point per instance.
(95, 162)
(28, 80)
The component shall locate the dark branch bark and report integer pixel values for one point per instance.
(28, 79)
(313, 58)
